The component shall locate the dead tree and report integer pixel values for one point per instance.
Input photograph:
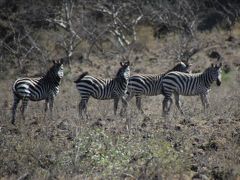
(65, 21)
(122, 28)
(20, 44)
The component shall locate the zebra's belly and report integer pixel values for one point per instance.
(32, 95)
(135, 90)
(36, 99)
(101, 97)
(146, 92)
(153, 93)
(108, 96)
(191, 93)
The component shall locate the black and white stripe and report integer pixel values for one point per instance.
(103, 89)
(36, 89)
(148, 85)
(179, 83)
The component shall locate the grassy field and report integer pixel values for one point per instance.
(132, 147)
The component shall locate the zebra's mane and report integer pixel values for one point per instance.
(49, 76)
(81, 76)
(175, 68)
(207, 70)
(118, 73)
(49, 72)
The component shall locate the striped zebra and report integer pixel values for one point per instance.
(36, 89)
(148, 85)
(103, 89)
(179, 83)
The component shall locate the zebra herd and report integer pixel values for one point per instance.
(177, 81)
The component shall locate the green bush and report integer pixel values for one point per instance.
(98, 151)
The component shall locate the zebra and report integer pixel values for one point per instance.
(179, 83)
(148, 85)
(103, 89)
(37, 89)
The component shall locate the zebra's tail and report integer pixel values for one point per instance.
(81, 76)
(163, 92)
(14, 90)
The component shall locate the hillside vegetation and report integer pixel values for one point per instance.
(113, 147)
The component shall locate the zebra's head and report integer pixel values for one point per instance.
(182, 67)
(215, 72)
(124, 71)
(57, 68)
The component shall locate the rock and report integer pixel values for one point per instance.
(198, 176)
(143, 125)
(178, 128)
(98, 123)
(63, 125)
(194, 167)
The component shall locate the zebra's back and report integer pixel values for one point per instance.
(183, 83)
(34, 88)
(96, 87)
(146, 84)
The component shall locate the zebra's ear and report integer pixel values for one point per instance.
(54, 62)
(188, 64)
(127, 63)
(121, 63)
(182, 62)
(61, 61)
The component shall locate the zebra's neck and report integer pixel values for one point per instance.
(207, 78)
(51, 79)
(122, 82)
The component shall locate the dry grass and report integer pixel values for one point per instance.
(108, 146)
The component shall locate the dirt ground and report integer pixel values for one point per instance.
(133, 147)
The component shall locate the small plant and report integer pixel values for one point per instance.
(226, 76)
(97, 150)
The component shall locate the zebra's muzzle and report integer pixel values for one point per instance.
(218, 82)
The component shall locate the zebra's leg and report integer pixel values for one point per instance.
(129, 97)
(116, 100)
(46, 105)
(83, 107)
(51, 100)
(124, 108)
(24, 106)
(166, 105)
(205, 102)
(139, 104)
(46, 108)
(14, 108)
(80, 109)
(125, 103)
(178, 104)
